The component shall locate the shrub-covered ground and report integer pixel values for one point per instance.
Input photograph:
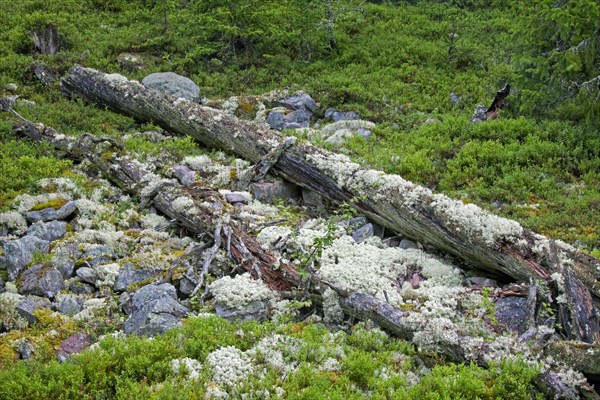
(395, 63)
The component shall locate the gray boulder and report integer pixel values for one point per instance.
(78, 287)
(96, 256)
(407, 244)
(280, 120)
(18, 253)
(41, 280)
(130, 275)
(69, 304)
(174, 85)
(268, 192)
(87, 274)
(234, 198)
(363, 233)
(153, 310)
(340, 116)
(47, 214)
(299, 102)
(64, 260)
(256, 311)
(49, 231)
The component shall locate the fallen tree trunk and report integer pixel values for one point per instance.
(482, 240)
(199, 210)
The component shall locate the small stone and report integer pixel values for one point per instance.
(154, 310)
(365, 133)
(479, 114)
(64, 261)
(233, 198)
(454, 99)
(313, 199)
(357, 222)
(186, 286)
(481, 281)
(344, 116)
(28, 305)
(130, 275)
(174, 85)
(363, 233)
(184, 174)
(299, 102)
(25, 350)
(74, 344)
(47, 214)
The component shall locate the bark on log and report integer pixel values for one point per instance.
(204, 208)
(480, 239)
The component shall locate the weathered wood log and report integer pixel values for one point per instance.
(199, 210)
(480, 239)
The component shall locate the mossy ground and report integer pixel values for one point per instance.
(395, 64)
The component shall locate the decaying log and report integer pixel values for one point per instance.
(481, 240)
(204, 208)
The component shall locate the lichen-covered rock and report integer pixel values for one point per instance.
(239, 292)
(41, 280)
(49, 231)
(96, 256)
(18, 253)
(130, 275)
(66, 211)
(78, 287)
(479, 114)
(173, 84)
(154, 310)
(25, 350)
(64, 260)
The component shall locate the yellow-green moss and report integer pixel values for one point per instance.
(54, 203)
